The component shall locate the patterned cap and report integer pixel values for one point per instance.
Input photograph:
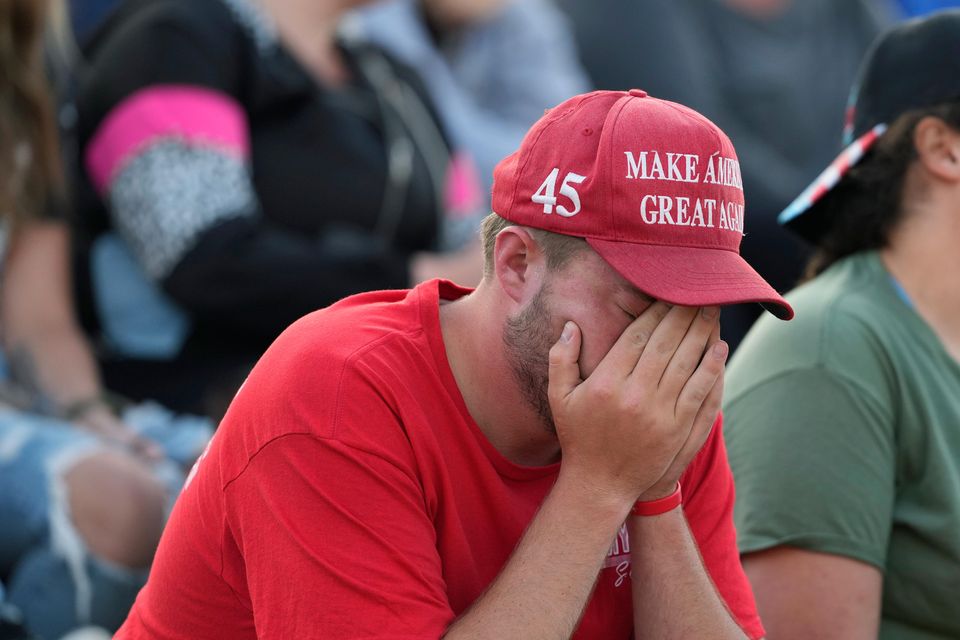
(915, 65)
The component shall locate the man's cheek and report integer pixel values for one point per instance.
(594, 348)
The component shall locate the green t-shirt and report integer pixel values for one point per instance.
(843, 430)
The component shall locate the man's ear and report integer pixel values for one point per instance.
(938, 148)
(519, 264)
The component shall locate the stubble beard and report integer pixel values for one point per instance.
(527, 340)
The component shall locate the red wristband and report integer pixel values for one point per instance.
(656, 507)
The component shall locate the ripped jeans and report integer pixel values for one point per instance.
(48, 571)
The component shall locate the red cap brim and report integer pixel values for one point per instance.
(691, 276)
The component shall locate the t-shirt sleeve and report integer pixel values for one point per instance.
(337, 543)
(708, 502)
(813, 455)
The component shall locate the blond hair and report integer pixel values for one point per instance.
(557, 247)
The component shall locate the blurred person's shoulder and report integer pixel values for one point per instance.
(144, 38)
(848, 320)
(145, 43)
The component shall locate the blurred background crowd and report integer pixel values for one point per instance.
(184, 178)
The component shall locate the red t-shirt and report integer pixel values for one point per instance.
(348, 493)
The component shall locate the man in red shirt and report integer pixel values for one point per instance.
(506, 462)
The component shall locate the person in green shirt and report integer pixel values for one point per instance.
(843, 428)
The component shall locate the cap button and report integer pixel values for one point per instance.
(638, 93)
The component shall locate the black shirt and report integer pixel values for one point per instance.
(328, 194)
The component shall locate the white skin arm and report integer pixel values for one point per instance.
(806, 594)
(625, 433)
(673, 596)
(49, 357)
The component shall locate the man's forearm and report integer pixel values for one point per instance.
(542, 590)
(673, 596)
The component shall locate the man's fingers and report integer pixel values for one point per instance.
(623, 356)
(564, 375)
(688, 355)
(663, 344)
(697, 389)
(715, 334)
(703, 423)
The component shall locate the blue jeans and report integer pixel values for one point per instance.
(47, 569)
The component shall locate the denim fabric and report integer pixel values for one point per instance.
(48, 571)
(44, 590)
(137, 318)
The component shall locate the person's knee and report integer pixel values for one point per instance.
(117, 507)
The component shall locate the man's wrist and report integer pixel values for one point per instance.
(658, 506)
(591, 497)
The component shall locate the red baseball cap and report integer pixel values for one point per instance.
(654, 188)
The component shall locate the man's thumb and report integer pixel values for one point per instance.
(564, 362)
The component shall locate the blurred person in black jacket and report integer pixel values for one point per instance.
(244, 166)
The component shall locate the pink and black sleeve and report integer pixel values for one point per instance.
(166, 145)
